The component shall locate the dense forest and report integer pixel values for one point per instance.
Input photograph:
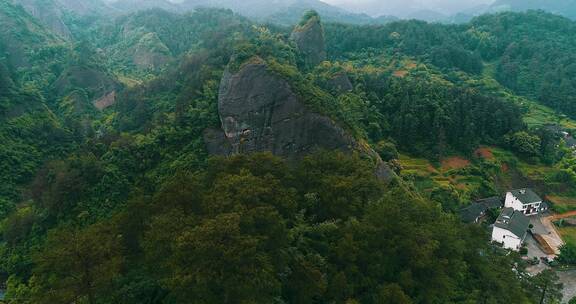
(109, 192)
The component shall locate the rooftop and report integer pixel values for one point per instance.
(526, 196)
(475, 210)
(570, 142)
(513, 221)
(491, 202)
(472, 212)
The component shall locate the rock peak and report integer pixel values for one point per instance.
(308, 36)
(260, 112)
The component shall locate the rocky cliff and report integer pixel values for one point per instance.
(260, 112)
(49, 14)
(150, 53)
(21, 35)
(339, 83)
(309, 39)
(98, 84)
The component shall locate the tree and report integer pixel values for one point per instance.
(392, 294)
(524, 143)
(568, 254)
(217, 262)
(545, 287)
(76, 265)
(386, 150)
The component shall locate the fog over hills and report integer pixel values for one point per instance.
(288, 12)
(359, 11)
(405, 8)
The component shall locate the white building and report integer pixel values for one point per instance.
(526, 201)
(510, 229)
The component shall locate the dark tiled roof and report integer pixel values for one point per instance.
(570, 142)
(477, 209)
(526, 196)
(513, 221)
(554, 128)
(491, 202)
(472, 212)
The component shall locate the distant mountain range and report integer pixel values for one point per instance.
(565, 8)
(286, 12)
(277, 11)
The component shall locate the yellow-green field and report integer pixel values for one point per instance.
(562, 203)
(495, 166)
(568, 234)
(539, 115)
(427, 176)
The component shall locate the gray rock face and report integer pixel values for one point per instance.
(260, 112)
(309, 39)
(216, 142)
(49, 14)
(340, 83)
(150, 53)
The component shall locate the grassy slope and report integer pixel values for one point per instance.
(503, 170)
(568, 234)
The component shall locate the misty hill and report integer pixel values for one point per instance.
(277, 11)
(53, 13)
(128, 6)
(561, 7)
(566, 8)
(20, 33)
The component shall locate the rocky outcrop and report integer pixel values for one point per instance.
(340, 83)
(105, 101)
(309, 39)
(100, 86)
(49, 14)
(260, 112)
(150, 53)
(95, 81)
(216, 142)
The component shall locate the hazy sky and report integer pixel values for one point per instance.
(381, 7)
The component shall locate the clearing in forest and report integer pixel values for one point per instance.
(485, 153)
(400, 74)
(455, 163)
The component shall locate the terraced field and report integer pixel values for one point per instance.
(568, 234)
(450, 175)
(561, 203)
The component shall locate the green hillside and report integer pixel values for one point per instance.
(109, 192)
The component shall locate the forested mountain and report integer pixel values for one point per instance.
(562, 7)
(55, 14)
(279, 11)
(204, 157)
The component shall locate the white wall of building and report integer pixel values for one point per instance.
(512, 202)
(507, 238)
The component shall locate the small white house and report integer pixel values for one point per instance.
(525, 201)
(510, 229)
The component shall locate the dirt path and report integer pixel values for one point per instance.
(553, 238)
(561, 216)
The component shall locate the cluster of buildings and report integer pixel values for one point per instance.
(559, 131)
(513, 223)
